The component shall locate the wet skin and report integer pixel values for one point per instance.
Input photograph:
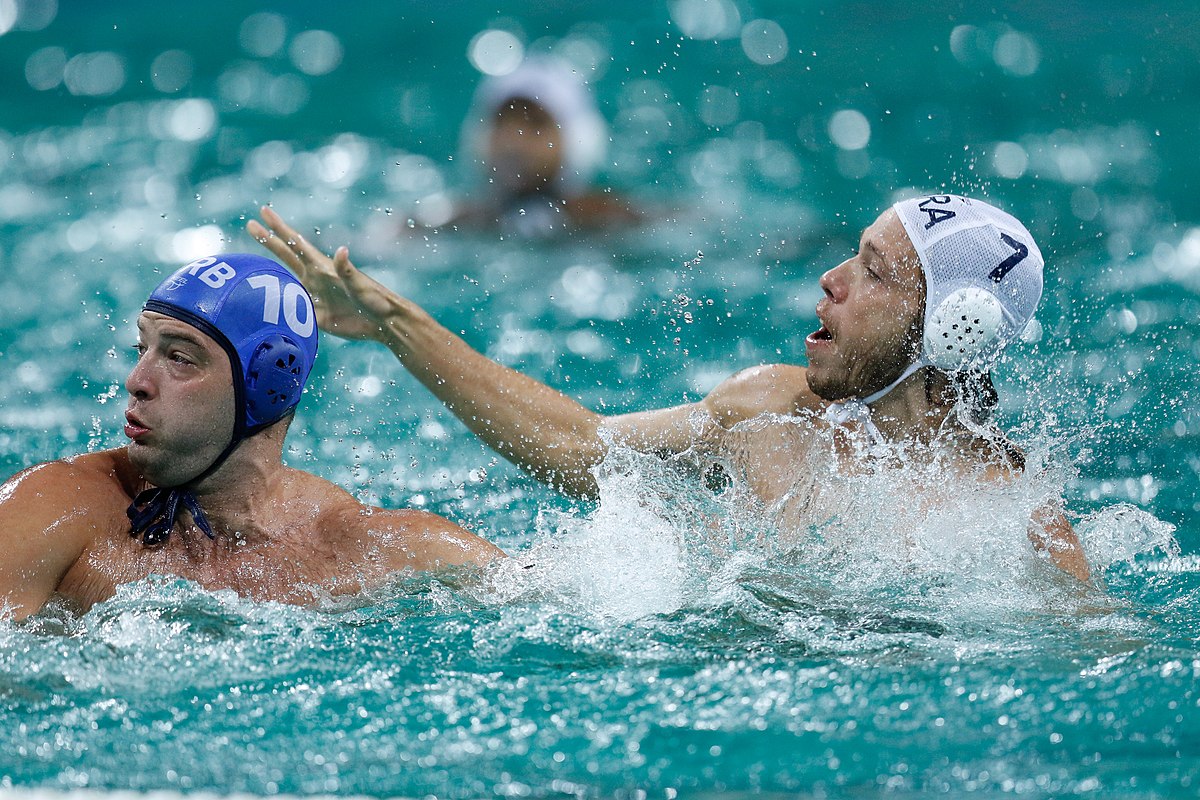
(871, 315)
(178, 367)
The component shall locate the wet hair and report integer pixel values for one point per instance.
(973, 396)
(971, 392)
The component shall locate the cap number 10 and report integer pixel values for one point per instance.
(292, 300)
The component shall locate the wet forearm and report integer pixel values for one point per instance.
(541, 430)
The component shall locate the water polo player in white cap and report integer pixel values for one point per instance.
(982, 274)
(225, 347)
(536, 140)
(909, 329)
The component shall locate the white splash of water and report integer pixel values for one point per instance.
(625, 561)
(1120, 533)
(908, 531)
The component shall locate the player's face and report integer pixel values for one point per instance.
(524, 148)
(871, 316)
(181, 401)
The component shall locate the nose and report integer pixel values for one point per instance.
(833, 282)
(138, 382)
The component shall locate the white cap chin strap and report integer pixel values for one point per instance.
(983, 280)
(913, 367)
(857, 408)
(963, 332)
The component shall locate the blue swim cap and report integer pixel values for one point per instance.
(263, 317)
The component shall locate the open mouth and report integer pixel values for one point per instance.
(822, 334)
(134, 429)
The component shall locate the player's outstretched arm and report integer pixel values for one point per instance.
(542, 430)
(546, 433)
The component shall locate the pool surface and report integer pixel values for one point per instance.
(649, 651)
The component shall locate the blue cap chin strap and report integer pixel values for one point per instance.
(264, 320)
(152, 514)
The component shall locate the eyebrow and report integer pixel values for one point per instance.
(174, 336)
(182, 336)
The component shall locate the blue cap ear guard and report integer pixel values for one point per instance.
(275, 378)
(263, 317)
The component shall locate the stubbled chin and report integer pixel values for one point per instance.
(823, 390)
(151, 464)
(141, 457)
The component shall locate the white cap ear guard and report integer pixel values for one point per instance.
(983, 278)
(963, 332)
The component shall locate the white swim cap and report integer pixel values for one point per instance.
(983, 278)
(556, 87)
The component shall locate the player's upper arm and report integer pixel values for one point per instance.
(43, 531)
(419, 540)
(770, 389)
(664, 431)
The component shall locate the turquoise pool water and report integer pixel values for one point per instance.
(641, 657)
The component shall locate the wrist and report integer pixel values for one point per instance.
(397, 325)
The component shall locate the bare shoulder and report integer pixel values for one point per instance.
(767, 389)
(401, 538)
(49, 515)
(95, 482)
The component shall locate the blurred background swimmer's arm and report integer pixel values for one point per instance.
(604, 210)
(589, 212)
(43, 527)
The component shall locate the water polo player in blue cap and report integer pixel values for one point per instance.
(225, 347)
(899, 371)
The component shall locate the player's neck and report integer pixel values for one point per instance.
(243, 497)
(910, 412)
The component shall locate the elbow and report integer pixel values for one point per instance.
(573, 474)
(569, 464)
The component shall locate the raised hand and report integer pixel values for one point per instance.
(349, 303)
